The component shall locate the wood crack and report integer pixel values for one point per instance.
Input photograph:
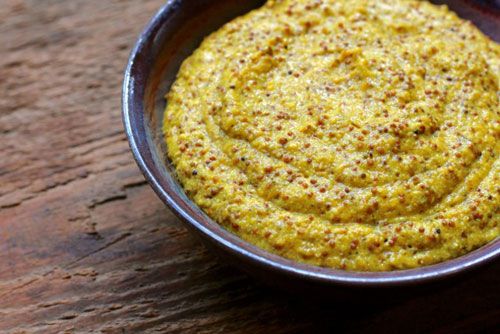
(100, 249)
(10, 205)
(136, 184)
(112, 198)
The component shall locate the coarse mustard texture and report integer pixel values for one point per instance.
(360, 135)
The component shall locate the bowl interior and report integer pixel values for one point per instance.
(172, 35)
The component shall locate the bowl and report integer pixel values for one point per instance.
(170, 37)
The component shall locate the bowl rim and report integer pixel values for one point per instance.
(133, 111)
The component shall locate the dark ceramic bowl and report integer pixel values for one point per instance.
(169, 38)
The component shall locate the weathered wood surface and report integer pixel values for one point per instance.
(85, 246)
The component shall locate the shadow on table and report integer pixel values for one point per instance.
(469, 305)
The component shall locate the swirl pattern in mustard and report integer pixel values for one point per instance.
(360, 135)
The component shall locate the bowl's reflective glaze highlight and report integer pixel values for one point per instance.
(169, 38)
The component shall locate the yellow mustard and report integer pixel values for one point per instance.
(360, 135)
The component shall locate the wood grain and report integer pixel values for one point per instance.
(85, 245)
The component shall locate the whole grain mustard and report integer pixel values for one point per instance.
(360, 135)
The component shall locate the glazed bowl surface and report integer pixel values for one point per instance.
(171, 36)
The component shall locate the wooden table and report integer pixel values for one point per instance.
(85, 245)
